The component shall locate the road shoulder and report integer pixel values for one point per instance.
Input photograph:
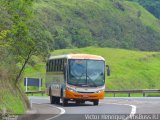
(41, 112)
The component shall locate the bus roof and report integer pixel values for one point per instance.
(78, 56)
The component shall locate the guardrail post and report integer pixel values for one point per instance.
(144, 94)
(114, 94)
(129, 94)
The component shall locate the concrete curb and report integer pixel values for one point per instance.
(42, 111)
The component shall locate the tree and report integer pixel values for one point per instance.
(26, 37)
(82, 38)
(62, 38)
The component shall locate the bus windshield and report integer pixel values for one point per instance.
(86, 72)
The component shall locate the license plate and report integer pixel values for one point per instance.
(85, 96)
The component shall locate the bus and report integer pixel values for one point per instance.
(76, 77)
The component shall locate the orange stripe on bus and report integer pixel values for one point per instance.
(86, 57)
(74, 95)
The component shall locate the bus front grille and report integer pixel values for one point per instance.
(85, 92)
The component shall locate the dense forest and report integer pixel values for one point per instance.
(105, 23)
(36, 27)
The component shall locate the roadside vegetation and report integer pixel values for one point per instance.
(31, 29)
(19, 40)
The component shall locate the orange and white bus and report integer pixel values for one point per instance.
(75, 77)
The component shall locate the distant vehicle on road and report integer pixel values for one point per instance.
(76, 77)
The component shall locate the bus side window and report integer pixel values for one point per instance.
(51, 65)
(56, 65)
(62, 65)
(64, 70)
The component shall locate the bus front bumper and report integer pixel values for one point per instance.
(84, 96)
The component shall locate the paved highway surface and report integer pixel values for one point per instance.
(124, 108)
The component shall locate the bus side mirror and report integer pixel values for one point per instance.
(108, 70)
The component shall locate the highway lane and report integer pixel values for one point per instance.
(104, 107)
(107, 106)
(144, 105)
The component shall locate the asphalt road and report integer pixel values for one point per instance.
(124, 108)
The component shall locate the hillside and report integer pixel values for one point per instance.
(153, 6)
(11, 99)
(129, 69)
(104, 23)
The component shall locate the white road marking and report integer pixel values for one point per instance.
(133, 111)
(62, 112)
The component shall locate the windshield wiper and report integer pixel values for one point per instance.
(85, 85)
(82, 85)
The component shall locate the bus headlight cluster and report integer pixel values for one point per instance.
(99, 91)
(70, 89)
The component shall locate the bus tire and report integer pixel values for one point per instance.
(52, 99)
(96, 102)
(57, 100)
(82, 102)
(64, 102)
(78, 102)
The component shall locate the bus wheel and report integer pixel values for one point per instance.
(82, 102)
(57, 100)
(52, 99)
(96, 102)
(64, 101)
(78, 102)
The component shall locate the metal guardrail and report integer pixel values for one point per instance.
(35, 92)
(129, 92)
(114, 92)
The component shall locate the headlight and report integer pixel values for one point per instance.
(70, 89)
(99, 91)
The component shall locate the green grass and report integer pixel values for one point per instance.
(135, 7)
(39, 94)
(153, 95)
(123, 95)
(133, 95)
(129, 69)
(11, 102)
